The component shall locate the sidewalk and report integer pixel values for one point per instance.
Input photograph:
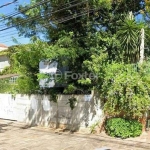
(18, 136)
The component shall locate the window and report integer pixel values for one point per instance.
(13, 79)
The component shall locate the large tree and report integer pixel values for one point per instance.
(76, 29)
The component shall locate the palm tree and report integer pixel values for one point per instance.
(129, 35)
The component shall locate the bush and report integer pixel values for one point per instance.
(123, 128)
(126, 89)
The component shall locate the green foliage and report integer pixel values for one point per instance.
(129, 37)
(97, 66)
(73, 42)
(65, 50)
(3, 53)
(87, 43)
(6, 70)
(126, 90)
(93, 126)
(123, 87)
(53, 95)
(26, 85)
(25, 60)
(4, 85)
(26, 57)
(70, 89)
(7, 87)
(123, 128)
(9, 69)
(72, 102)
(42, 76)
(86, 81)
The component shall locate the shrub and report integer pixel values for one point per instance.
(126, 89)
(123, 128)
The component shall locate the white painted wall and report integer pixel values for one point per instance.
(4, 62)
(39, 110)
(2, 48)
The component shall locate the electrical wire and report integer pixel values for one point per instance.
(12, 34)
(63, 20)
(5, 33)
(39, 5)
(11, 40)
(26, 9)
(8, 3)
(38, 17)
(31, 7)
(67, 19)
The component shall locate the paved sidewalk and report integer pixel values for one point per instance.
(17, 136)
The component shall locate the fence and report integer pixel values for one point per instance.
(39, 110)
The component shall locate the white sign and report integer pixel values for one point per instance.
(87, 98)
(48, 67)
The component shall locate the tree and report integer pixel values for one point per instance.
(87, 36)
(76, 30)
(129, 35)
(25, 61)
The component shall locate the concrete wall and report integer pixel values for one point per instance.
(39, 110)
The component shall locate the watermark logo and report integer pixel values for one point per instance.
(78, 76)
(58, 75)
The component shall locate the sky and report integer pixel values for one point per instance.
(7, 36)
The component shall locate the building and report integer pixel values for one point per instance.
(5, 62)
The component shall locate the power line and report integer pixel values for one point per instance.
(35, 5)
(22, 11)
(12, 34)
(71, 17)
(90, 11)
(8, 3)
(68, 18)
(59, 21)
(65, 19)
(40, 4)
(23, 38)
(8, 34)
(25, 9)
(11, 31)
(11, 40)
(37, 17)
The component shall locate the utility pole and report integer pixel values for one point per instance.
(142, 46)
(142, 36)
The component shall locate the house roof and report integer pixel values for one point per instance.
(3, 46)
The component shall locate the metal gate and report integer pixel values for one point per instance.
(7, 107)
